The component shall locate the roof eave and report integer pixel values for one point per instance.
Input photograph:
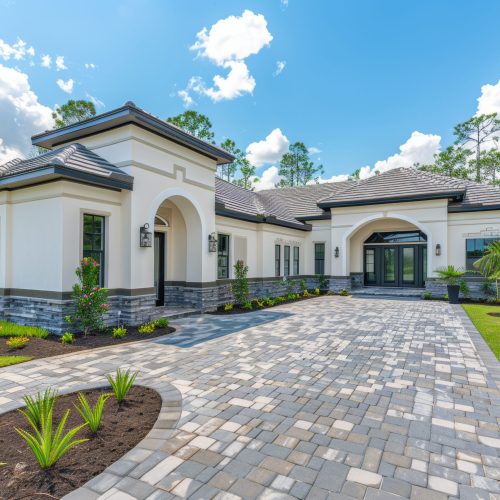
(124, 116)
(473, 208)
(224, 212)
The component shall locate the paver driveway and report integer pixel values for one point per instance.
(332, 397)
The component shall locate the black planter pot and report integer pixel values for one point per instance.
(453, 291)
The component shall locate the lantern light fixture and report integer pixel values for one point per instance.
(438, 249)
(212, 242)
(145, 236)
(337, 252)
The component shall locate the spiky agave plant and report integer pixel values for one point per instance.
(39, 406)
(121, 383)
(92, 416)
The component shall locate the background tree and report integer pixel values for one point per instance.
(73, 112)
(477, 131)
(227, 171)
(453, 162)
(247, 172)
(195, 123)
(355, 175)
(490, 166)
(296, 167)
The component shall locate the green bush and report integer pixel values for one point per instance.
(248, 305)
(445, 296)
(67, 338)
(8, 329)
(121, 383)
(228, 307)
(464, 288)
(91, 416)
(47, 446)
(259, 303)
(427, 295)
(119, 332)
(17, 342)
(38, 407)
(323, 281)
(303, 286)
(148, 327)
(161, 322)
(239, 287)
(343, 292)
(317, 291)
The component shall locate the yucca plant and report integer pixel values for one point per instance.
(122, 383)
(39, 407)
(91, 416)
(49, 447)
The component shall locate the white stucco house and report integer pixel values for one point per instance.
(109, 181)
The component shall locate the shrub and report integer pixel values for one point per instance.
(161, 322)
(290, 296)
(247, 305)
(445, 296)
(303, 286)
(464, 288)
(67, 338)
(239, 287)
(487, 287)
(17, 342)
(228, 307)
(49, 447)
(8, 329)
(38, 407)
(260, 303)
(344, 292)
(323, 281)
(491, 299)
(90, 300)
(148, 327)
(427, 295)
(121, 384)
(317, 291)
(306, 293)
(449, 275)
(91, 416)
(119, 332)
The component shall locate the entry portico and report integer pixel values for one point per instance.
(108, 180)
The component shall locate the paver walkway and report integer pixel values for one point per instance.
(335, 398)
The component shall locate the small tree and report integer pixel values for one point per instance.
(239, 288)
(73, 112)
(489, 264)
(195, 123)
(90, 299)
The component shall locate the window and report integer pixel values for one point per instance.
(397, 237)
(475, 249)
(277, 260)
(223, 256)
(93, 241)
(286, 262)
(319, 258)
(296, 261)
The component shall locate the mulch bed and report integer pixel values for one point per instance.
(51, 346)
(122, 428)
(494, 314)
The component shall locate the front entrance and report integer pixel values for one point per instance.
(159, 270)
(396, 259)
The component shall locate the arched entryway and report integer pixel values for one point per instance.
(178, 246)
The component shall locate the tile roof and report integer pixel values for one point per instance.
(76, 159)
(477, 197)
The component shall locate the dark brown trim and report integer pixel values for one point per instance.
(325, 216)
(473, 208)
(259, 219)
(52, 295)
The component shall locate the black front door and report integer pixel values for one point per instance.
(159, 272)
(395, 265)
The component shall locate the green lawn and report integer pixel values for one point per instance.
(13, 360)
(8, 329)
(488, 326)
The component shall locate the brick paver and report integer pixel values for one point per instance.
(328, 398)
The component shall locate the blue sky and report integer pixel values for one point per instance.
(359, 77)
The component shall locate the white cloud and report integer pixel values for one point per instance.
(90, 66)
(268, 179)
(60, 63)
(284, 3)
(234, 38)
(46, 61)
(97, 102)
(489, 100)
(22, 114)
(227, 44)
(16, 51)
(313, 151)
(66, 86)
(280, 66)
(8, 154)
(419, 148)
(333, 178)
(269, 150)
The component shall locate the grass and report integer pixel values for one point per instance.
(13, 360)
(488, 326)
(8, 329)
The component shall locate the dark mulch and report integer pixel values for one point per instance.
(494, 314)
(122, 428)
(239, 310)
(51, 346)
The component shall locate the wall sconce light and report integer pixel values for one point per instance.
(336, 252)
(212, 242)
(145, 236)
(438, 249)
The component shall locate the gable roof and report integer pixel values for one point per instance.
(74, 162)
(400, 184)
(129, 113)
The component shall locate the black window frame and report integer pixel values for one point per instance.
(224, 255)
(479, 250)
(98, 254)
(296, 261)
(319, 258)
(277, 260)
(286, 260)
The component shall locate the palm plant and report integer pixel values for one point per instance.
(39, 407)
(489, 264)
(449, 275)
(92, 416)
(122, 383)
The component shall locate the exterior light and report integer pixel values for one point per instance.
(438, 249)
(145, 236)
(212, 242)
(337, 252)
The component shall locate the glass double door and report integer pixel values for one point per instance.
(395, 265)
